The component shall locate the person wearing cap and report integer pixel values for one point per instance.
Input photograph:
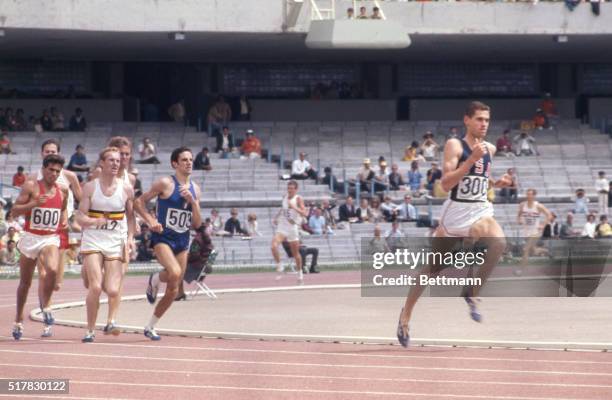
(301, 168)
(251, 147)
(381, 180)
(365, 174)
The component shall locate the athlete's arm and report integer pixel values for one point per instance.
(196, 214)
(300, 207)
(82, 218)
(73, 181)
(519, 217)
(64, 214)
(546, 212)
(451, 174)
(26, 200)
(140, 204)
(129, 213)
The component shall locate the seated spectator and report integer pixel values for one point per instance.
(376, 13)
(350, 13)
(9, 254)
(57, 119)
(510, 193)
(429, 147)
(216, 223)
(137, 182)
(393, 233)
(381, 179)
(144, 251)
(362, 13)
(389, 210)
(364, 213)
(10, 120)
(581, 202)
(251, 147)
(567, 229)
(11, 234)
(365, 174)
(37, 126)
(407, 211)
(219, 115)
(177, 111)
(200, 258)
(414, 178)
(396, 181)
(548, 106)
(540, 120)
(304, 252)
(330, 220)
(147, 152)
(603, 230)
(376, 212)
(19, 178)
(453, 133)
(225, 143)
(301, 168)
(232, 225)
(525, 145)
(589, 229)
(5, 144)
(551, 229)
(78, 123)
(378, 244)
(347, 211)
(330, 180)
(411, 152)
(504, 144)
(433, 174)
(20, 121)
(78, 161)
(252, 226)
(202, 160)
(316, 222)
(46, 121)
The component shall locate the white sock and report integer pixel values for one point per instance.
(279, 267)
(154, 320)
(300, 274)
(155, 280)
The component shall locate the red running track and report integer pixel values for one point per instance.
(132, 367)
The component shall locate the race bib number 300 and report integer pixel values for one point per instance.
(45, 219)
(178, 220)
(473, 188)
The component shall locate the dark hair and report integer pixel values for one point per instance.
(20, 168)
(48, 142)
(79, 146)
(204, 148)
(177, 152)
(10, 241)
(603, 217)
(476, 106)
(535, 192)
(119, 141)
(294, 183)
(53, 159)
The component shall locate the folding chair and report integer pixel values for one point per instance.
(200, 275)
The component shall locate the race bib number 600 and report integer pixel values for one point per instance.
(178, 220)
(473, 188)
(45, 219)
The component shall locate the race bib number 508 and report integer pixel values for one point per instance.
(178, 220)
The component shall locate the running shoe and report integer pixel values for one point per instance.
(111, 329)
(152, 290)
(46, 331)
(89, 337)
(151, 334)
(212, 256)
(474, 313)
(48, 317)
(300, 281)
(402, 335)
(17, 331)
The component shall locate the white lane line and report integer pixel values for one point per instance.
(297, 364)
(315, 391)
(55, 396)
(184, 372)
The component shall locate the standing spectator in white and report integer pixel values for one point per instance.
(602, 185)
(147, 152)
(177, 111)
(301, 169)
(589, 227)
(429, 147)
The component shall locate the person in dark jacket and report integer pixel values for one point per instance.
(232, 225)
(200, 257)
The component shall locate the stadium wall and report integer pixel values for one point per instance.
(324, 110)
(269, 16)
(94, 110)
(600, 108)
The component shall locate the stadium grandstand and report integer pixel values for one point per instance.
(356, 101)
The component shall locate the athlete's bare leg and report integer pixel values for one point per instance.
(113, 282)
(277, 240)
(26, 272)
(48, 260)
(61, 264)
(174, 269)
(93, 264)
(295, 252)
